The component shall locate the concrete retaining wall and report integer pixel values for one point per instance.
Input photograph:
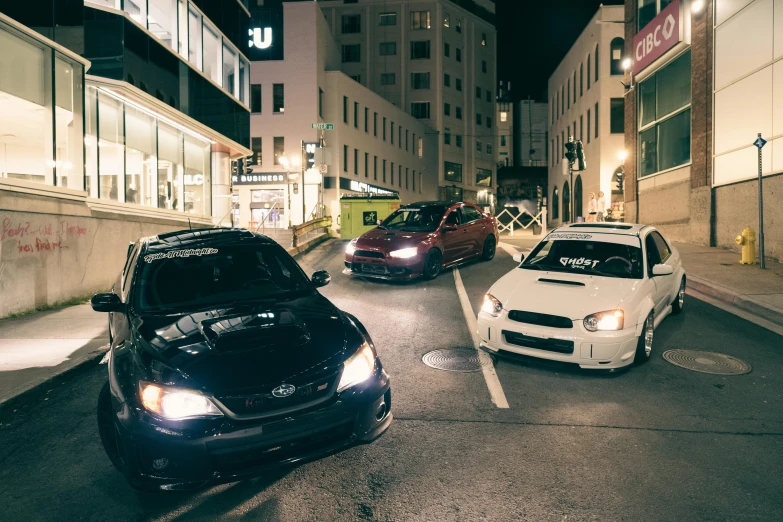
(55, 247)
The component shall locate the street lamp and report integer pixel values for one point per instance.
(627, 64)
(622, 155)
(697, 6)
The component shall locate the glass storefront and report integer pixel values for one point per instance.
(35, 82)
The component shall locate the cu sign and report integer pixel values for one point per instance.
(256, 39)
(657, 37)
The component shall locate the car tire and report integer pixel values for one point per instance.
(644, 345)
(107, 429)
(490, 246)
(679, 300)
(433, 264)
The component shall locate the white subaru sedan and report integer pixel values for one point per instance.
(590, 294)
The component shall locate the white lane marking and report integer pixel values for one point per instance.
(758, 321)
(487, 368)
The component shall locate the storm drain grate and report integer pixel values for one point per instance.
(455, 360)
(707, 362)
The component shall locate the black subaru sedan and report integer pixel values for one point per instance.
(226, 361)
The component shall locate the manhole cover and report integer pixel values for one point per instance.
(707, 362)
(454, 360)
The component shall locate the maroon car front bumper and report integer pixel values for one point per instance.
(366, 263)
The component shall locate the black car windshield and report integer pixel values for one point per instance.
(425, 219)
(587, 257)
(197, 278)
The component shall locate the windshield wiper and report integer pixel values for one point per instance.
(531, 266)
(382, 227)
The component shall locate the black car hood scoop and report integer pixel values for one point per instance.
(560, 282)
(258, 331)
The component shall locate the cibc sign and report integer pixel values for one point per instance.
(660, 35)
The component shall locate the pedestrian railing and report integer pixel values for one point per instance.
(539, 219)
(302, 232)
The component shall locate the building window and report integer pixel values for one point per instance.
(458, 26)
(351, 53)
(581, 80)
(483, 177)
(384, 129)
(489, 148)
(458, 112)
(489, 122)
(256, 146)
(355, 115)
(321, 102)
(391, 173)
(503, 141)
(356, 161)
(458, 84)
(366, 120)
(616, 49)
(446, 22)
(278, 98)
(447, 136)
(617, 116)
(399, 136)
(458, 141)
(551, 153)
(568, 94)
(478, 146)
(649, 9)
(357, 78)
(484, 39)
(345, 158)
(352, 24)
(452, 172)
(581, 127)
(588, 126)
(345, 109)
(664, 117)
(407, 174)
(596, 120)
(279, 149)
(483, 66)
(391, 133)
(420, 110)
(458, 54)
(489, 96)
(384, 171)
(388, 79)
(447, 109)
(387, 48)
(375, 124)
(478, 92)
(478, 119)
(588, 72)
(573, 92)
(562, 100)
(420, 80)
(375, 168)
(194, 38)
(413, 180)
(387, 19)
(211, 53)
(446, 49)
(255, 98)
(406, 140)
(597, 63)
(420, 20)
(446, 80)
(555, 204)
(420, 50)
(503, 116)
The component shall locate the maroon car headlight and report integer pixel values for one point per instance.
(351, 248)
(405, 253)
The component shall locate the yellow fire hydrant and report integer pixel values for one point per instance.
(748, 241)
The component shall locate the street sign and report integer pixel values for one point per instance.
(760, 142)
(323, 126)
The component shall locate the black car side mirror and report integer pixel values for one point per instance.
(449, 228)
(321, 278)
(109, 302)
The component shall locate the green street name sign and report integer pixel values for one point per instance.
(323, 126)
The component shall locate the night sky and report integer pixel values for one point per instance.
(534, 35)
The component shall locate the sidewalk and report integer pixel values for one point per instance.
(716, 273)
(40, 346)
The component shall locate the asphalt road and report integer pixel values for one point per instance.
(654, 443)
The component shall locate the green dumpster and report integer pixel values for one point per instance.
(360, 213)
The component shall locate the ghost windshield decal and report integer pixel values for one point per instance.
(580, 263)
(562, 235)
(149, 258)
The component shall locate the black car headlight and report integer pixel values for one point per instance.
(358, 368)
(491, 305)
(611, 320)
(175, 403)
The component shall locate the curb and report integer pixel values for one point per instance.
(766, 311)
(93, 359)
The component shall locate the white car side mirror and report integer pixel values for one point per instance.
(661, 270)
(519, 257)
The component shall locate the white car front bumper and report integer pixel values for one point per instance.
(592, 350)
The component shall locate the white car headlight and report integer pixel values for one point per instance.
(176, 403)
(358, 368)
(606, 321)
(491, 305)
(351, 248)
(405, 253)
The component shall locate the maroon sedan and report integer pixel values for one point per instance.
(421, 239)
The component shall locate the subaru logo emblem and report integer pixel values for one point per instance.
(284, 390)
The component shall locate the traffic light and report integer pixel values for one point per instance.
(309, 155)
(570, 153)
(580, 157)
(237, 169)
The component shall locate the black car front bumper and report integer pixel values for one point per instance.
(163, 455)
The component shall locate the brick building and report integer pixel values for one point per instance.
(696, 97)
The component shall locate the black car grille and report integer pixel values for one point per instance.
(369, 253)
(552, 321)
(265, 404)
(550, 345)
(236, 460)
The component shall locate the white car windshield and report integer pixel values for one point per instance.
(586, 257)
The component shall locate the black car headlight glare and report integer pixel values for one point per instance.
(358, 368)
(610, 320)
(491, 305)
(176, 403)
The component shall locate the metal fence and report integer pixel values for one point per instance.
(523, 219)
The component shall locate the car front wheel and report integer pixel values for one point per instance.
(490, 245)
(108, 430)
(679, 301)
(433, 264)
(645, 344)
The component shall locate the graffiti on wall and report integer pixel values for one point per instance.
(48, 236)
